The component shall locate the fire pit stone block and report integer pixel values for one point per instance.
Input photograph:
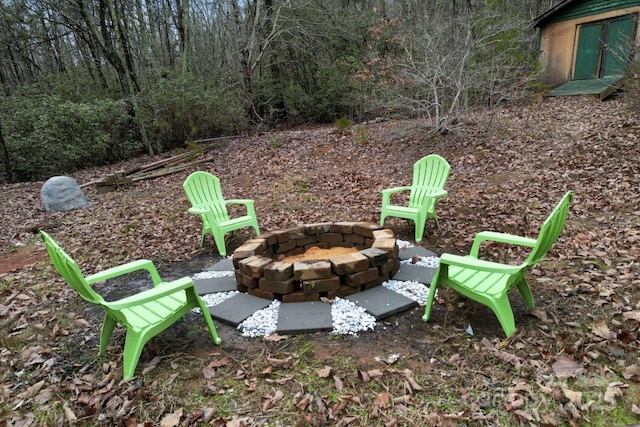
(261, 271)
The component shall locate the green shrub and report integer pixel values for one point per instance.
(48, 136)
(178, 110)
(631, 82)
(342, 124)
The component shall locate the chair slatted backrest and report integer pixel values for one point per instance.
(550, 230)
(203, 190)
(69, 270)
(429, 173)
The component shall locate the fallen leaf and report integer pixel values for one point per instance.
(574, 396)
(414, 385)
(275, 338)
(219, 363)
(208, 372)
(631, 315)
(632, 373)
(70, 416)
(602, 330)
(374, 373)
(171, 420)
(613, 391)
(304, 402)
(565, 366)
(151, 365)
(382, 400)
(280, 363)
(324, 372)
(336, 408)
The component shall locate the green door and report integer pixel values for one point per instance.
(618, 46)
(588, 54)
(603, 48)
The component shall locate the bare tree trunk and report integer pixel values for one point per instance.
(244, 47)
(115, 55)
(5, 158)
(183, 29)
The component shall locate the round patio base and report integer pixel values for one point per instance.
(274, 265)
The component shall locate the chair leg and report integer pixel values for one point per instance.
(209, 321)
(218, 236)
(133, 345)
(527, 296)
(203, 233)
(419, 230)
(501, 307)
(105, 335)
(435, 217)
(430, 298)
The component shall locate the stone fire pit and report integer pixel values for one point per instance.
(263, 266)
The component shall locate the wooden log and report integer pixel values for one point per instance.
(159, 163)
(168, 171)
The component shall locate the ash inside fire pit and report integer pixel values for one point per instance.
(315, 253)
(312, 261)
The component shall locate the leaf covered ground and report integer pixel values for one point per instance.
(572, 361)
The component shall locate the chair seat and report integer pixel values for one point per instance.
(399, 211)
(479, 282)
(154, 313)
(235, 222)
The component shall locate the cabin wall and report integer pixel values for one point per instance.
(558, 44)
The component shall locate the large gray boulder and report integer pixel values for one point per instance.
(62, 193)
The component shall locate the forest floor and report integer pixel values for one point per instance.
(572, 361)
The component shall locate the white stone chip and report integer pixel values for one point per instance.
(216, 298)
(413, 290)
(349, 318)
(403, 244)
(424, 261)
(212, 274)
(262, 323)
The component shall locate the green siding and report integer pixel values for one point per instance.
(588, 55)
(581, 9)
(603, 48)
(619, 42)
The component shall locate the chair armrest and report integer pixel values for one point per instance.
(438, 193)
(130, 267)
(388, 192)
(245, 202)
(395, 190)
(493, 236)
(248, 203)
(477, 264)
(162, 290)
(198, 210)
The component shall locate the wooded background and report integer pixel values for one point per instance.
(89, 82)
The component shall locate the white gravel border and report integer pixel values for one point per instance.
(348, 317)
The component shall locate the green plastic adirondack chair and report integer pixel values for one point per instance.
(489, 282)
(204, 193)
(144, 314)
(429, 176)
